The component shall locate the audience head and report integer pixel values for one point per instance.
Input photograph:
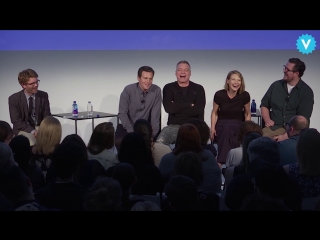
(182, 193)
(308, 152)
(203, 129)
(104, 195)
(145, 206)
(238, 189)
(296, 124)
(6, 157)
(48, 135)
(101, 138)
(246, 127)
(6, 132)
(75, 138)
(189, 164)
(20, 147)
(270, 179)
(133, 150)
(188, 139)
(144, 127)
(15, 185)
(244, 163)
(235, 74)
(65, 159)
(125, 174)
(264, 148)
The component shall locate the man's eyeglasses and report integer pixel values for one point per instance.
(32, 84)
(287, 69)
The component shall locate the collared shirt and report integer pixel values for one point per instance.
(283, 106)
(34, 105)
(136, 104)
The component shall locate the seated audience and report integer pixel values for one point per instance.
(287, 147)
(188, 139)
(101, 145)
(144, 127)
(307, 169)
(64, 194)
(20, 146)
(104, 195)
(6, 132)
(235, 154)
(145, 206)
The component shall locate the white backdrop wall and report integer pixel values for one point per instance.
(100, 76)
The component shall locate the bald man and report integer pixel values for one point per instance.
(287, 147)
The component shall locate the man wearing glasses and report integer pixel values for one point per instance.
(141, 100)
(286, 98)
(29, 106)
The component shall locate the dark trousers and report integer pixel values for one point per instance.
(119, 135)
(226, 138)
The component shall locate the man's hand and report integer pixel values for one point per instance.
(282, 137)
(35, 133)
(269, 123)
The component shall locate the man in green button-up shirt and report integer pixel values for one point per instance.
(286, 98)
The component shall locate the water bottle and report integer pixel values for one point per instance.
(89, 109)
(253, 106)
(75, 109)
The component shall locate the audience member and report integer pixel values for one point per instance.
(64, 194)
(287, 147)
(306, 170)
(204, 131)
(101, 145)
(20, 147)
(104, 195)
(188, 139)
(6, 132)
(144, 127)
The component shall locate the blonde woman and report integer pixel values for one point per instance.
(231, 106)
(48, 137)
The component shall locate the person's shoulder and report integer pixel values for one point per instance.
(219, 92)
(13, 95)
(170, 84)
(42, 93)
(197, 85)
(130, 86)
(246, 93)
(305, 85)
(155, 87)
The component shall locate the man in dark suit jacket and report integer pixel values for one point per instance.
(26, 120)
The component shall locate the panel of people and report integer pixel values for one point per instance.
(184, 100)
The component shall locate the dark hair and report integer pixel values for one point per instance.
(101, 138)
(183, 61)
(244, 163)
(75, 138)
(308, 153)
(188, 139)
(133, 150)
(182, 193)
(20, 147)
(189, 164)
(299, 66)
(145, 69)
(246, 127)
(144, 127)
(203, 129)
(5, 131)
(65, 159)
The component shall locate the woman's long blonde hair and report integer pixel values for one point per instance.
(48, 136)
